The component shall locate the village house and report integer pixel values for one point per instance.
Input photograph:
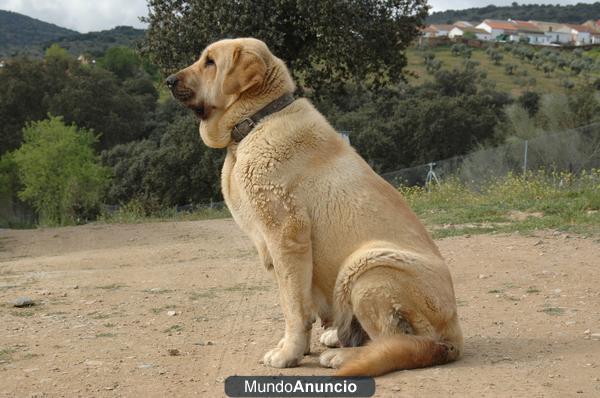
(581, 34)
(479, 34)
(497, 28)
(556, 33)
(441, 30)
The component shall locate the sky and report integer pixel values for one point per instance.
(92, 15)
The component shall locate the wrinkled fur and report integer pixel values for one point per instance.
(341, 242)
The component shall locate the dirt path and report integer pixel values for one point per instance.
(106, 294)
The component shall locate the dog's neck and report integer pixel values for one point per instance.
(277, 82)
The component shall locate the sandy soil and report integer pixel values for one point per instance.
(104, 326)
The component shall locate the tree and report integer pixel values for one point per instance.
(23, 83)
(60, 173)
(93, 99)
(124, 62)
(309, 35)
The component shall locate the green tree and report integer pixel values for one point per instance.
(60, 173)
(309, 35)
(94, 99)
(23, 83)
(56, 53)
(124, 62)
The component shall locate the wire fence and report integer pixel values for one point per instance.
(571, 150)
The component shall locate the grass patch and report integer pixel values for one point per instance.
(207, 294)
(112, 286)
(157, 291)
(541, 200)
(6, 354)
(242, 287)
(162, 309)
(136, 212)
(174, 328)
(109, 325)
(532, 289)
(555, 311)
(23, 314)
(494, 291)
(100, 335)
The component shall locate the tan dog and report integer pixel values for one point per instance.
(341, 241)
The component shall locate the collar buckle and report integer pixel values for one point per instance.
(242, 129)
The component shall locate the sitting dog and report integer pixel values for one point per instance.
(341, 242)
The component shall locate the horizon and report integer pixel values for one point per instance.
(84, 17)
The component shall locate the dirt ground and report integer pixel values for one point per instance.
(173, 308)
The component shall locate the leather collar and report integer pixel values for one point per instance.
(245, 127)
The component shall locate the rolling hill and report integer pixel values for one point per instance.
(577, 13)
(23, 35)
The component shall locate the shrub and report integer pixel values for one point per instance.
(60, 173)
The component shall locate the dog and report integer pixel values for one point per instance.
(341, 242)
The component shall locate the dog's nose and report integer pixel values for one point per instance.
(171, 81)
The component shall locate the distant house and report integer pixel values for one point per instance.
(497, 29)
(555, 32)
(581, 34)
(480, 34)
(529, 32)
(441, 30)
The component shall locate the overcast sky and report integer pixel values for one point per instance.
(92, 15)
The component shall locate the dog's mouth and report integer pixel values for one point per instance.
(201, 111)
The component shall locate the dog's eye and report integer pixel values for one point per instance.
(209, 62)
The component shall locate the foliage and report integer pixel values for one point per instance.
(407, 125)
(59, 171)
(578, 13)
(306, 34)
(170, 168)
(122, 61)
(538, 200)
(90, 97)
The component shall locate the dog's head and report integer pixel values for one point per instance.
(228, 73)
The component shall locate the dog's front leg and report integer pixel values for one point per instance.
(292, 261)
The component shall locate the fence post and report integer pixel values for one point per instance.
(525, 159)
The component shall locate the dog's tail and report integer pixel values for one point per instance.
(399, 352)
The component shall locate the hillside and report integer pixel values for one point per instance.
(18, 31)
(22, 35)
(552, 13)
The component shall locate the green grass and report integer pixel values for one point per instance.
(174, 328)
(134, 212)
(6, 354)
(162, 309)
(112, 286)
(100, 335)
(540, 200)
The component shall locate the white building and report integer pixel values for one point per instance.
(581, 34)
(496, 28)
(480, 34)
(557, 33)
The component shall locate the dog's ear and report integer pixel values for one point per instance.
(247, 69)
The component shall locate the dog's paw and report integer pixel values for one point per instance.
(329, 338)
(332, 358)
(280, 358)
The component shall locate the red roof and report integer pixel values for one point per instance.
(503, 25)
(526, 26)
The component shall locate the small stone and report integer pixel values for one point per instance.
(483, 276)
(76, 287)
(557, 291)
(209, 343)
(23, 302)
(171, 313)
(579, 391)
(64, 294)
(174, 352)
(395, 388)
(538, 243)
(587, 331)
(145, 366)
